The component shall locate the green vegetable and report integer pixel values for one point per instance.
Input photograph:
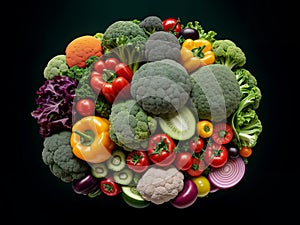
(57, 154)
(215, 92)
(102, 107)
(130, 125)
(228, 54)
(123, 177)
(56, 66)
(162, 45)
(117, 161)
(151, 24)
(84, 90)
(245, 121)
(125, 40)
(161, 87)
(99, 170)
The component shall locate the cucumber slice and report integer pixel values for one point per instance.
(180, 125)
(117, 161)
(123, 177)
(131, 196)
(99, 170)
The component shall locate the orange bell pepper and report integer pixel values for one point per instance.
(196, 53)
(90, 139)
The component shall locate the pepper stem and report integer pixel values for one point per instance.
(86, 138)
(198, 52)
(108, 75)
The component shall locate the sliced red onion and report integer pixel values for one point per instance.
(229, 174)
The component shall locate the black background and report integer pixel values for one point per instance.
(264, 29)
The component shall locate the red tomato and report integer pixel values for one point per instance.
(109, 187)
(160, 149)
(184, 161)
(222, 133)
(197, 168)
(196, 144)
(85, 107)
(216, 155)
(172, 24)
(138, 161)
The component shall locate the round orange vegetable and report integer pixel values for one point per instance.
(90, 139)
(245, 151)
(204, 128)
(81, 48)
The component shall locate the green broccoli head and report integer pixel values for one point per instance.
(151, 24)
(125, 40)
(130, 125)
(227, 53)
(56, 66)
(245, 79)
(161, 87)
(162, 45)
(57, 154)
(215, 92)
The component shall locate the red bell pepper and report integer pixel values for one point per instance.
(111, 78)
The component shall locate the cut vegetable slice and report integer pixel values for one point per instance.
(180, 125)
(228, 175)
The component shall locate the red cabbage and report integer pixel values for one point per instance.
(55, 104)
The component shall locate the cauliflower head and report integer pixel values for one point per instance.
(57, 154)
(215, 92)
(56, 66)
(160, 184)
(161, 87)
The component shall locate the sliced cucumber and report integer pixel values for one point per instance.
(117, 161)
(99, 170)
(180, 125)
(133, 198)
(123, 177)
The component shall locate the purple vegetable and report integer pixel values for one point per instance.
(55, 104)
(86, 185)
(187, 196)
(189, 33)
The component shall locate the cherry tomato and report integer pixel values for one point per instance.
(222, 133)
(216, 155)
(203, 185)
(172, 24)
(85, 107)
(196, 144)
(161, 149)
(204, 128)
(109, 187)
(245, 151)
(184, 161)
(138, 161)
(197, 168)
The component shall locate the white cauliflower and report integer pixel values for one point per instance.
(160, 185)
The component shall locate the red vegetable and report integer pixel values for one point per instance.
(138, 161)
(111, 78)
(222, 133)
(196, 144)
(216, 155)
(197, 168)
(85, 107)
(109, 187)
(228, 175)
(184, 161)
(187, 196)
(161, 149)
(172, 25)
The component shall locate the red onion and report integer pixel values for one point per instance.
(229, 174)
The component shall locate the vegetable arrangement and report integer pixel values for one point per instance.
(153, 111)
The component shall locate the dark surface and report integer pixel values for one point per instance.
(258, 27)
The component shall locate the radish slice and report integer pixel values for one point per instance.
(229, 174)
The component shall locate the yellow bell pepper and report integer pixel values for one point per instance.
(196, 53)
(90, 139)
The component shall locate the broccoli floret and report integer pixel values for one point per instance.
(160, 185)
(57, 154)
(125, 40)
(151, 24)
(228, 54)
(162, 45)
(215, 92)
(245, 79)
(102, 107)
(130, 125)
(161, 87)
(56, 66)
